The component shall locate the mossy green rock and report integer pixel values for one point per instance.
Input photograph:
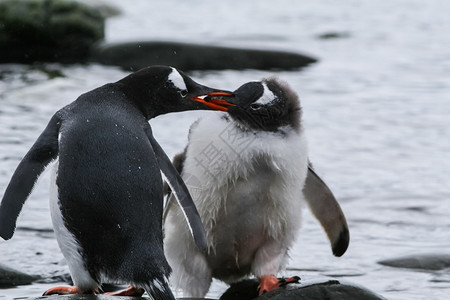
(48, 30)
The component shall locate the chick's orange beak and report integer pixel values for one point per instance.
(215, 100)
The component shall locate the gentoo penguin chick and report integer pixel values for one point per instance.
(108, 200)
(246, 171)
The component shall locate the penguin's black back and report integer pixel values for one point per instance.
(110, 187)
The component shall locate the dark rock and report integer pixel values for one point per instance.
(99, 297)
(333, 35)
(136, 55)
(10, 277)
(48, 30)
(419, 261)
(309, 290)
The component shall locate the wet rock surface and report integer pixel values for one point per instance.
(247, 289)
(186, 56)
(308, 290)
(432, 261)
(10, 277)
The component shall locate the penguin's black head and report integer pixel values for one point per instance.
(162, 89)
(266, 105)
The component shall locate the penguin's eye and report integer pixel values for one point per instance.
(183, 93)
(255, 106)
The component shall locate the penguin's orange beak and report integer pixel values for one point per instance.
(215, 100)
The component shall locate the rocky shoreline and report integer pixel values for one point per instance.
(67, 31)
(246, 290)
(311, 289)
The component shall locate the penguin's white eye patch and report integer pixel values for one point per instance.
(177, 80)
(266, 97)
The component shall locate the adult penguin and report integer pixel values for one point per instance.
(248, 173)
(107, 198)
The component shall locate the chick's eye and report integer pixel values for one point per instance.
(183, 93)
(254, 106)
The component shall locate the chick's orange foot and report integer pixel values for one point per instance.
(270, 283)
(65, 290)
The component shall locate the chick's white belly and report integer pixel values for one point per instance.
(250, 218)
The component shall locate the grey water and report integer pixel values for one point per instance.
(376, 113)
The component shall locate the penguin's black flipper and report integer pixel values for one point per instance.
(178, 163)
(22, 182)
(326, 209)
(181, 193)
